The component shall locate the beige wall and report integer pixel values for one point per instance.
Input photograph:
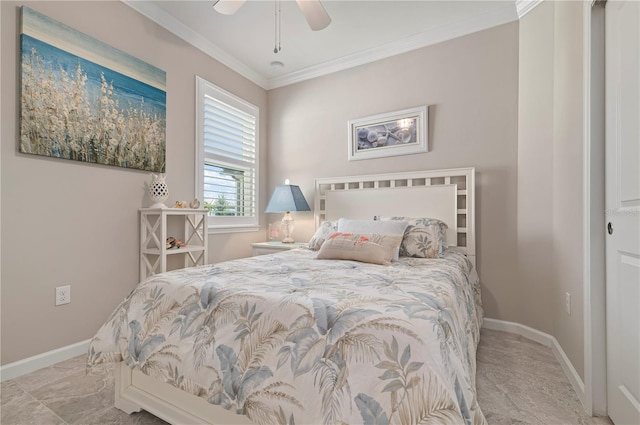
(72, 223)
(471, 85)
(550, 174)
(535, 168)
(567, 180)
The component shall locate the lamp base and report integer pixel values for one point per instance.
(287, 227)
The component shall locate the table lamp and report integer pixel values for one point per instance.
(287, 198)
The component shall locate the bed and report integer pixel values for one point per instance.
(290, 339)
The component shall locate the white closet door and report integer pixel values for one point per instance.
(623, 209)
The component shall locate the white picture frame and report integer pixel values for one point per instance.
(395, 133)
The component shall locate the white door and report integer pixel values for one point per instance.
(622, 23)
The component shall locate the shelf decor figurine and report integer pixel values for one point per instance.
(180, 204)
(158, 191)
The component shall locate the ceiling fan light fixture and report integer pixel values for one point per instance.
(313, 11)
(228, 7)
(315, 14)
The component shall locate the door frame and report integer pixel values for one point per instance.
(594, 281)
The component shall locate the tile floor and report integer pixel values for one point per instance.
(521, 382)
(518, 381)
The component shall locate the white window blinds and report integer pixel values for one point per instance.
(228, 163)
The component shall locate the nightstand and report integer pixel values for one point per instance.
(263, 248)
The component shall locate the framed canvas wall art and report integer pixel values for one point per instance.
(86, 101)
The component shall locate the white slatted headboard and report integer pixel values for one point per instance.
(448, 195)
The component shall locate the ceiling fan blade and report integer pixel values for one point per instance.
(228, 7)
(314, 13)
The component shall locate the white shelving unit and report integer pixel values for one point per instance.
(154, 223)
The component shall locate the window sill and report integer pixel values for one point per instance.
(232, 229)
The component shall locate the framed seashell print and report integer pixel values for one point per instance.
(84, 100)
(390, 134)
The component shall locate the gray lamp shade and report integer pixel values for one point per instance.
(285, 198)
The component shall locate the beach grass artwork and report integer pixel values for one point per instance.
(84, 100)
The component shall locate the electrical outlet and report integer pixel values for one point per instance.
(567, 303)
(63, 295)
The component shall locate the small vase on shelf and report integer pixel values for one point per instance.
(158, 191)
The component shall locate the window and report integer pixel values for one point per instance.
(227, 158)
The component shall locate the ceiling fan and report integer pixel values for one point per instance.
(313, 11)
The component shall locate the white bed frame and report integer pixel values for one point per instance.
(448, 195)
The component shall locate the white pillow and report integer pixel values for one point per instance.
(390, 227)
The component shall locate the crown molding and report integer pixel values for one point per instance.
(436, 35)
(525, 6)
(175, 26)
(427, 38)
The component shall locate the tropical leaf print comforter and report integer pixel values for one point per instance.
(287, 339)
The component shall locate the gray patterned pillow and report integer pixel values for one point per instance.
(423, 237)
(326, 229)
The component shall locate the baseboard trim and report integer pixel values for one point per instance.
(31, 364)
(546, 340)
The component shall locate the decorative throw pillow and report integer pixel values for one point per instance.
(395, 227)
(326, 229)
(423, 237)
(372, 248)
